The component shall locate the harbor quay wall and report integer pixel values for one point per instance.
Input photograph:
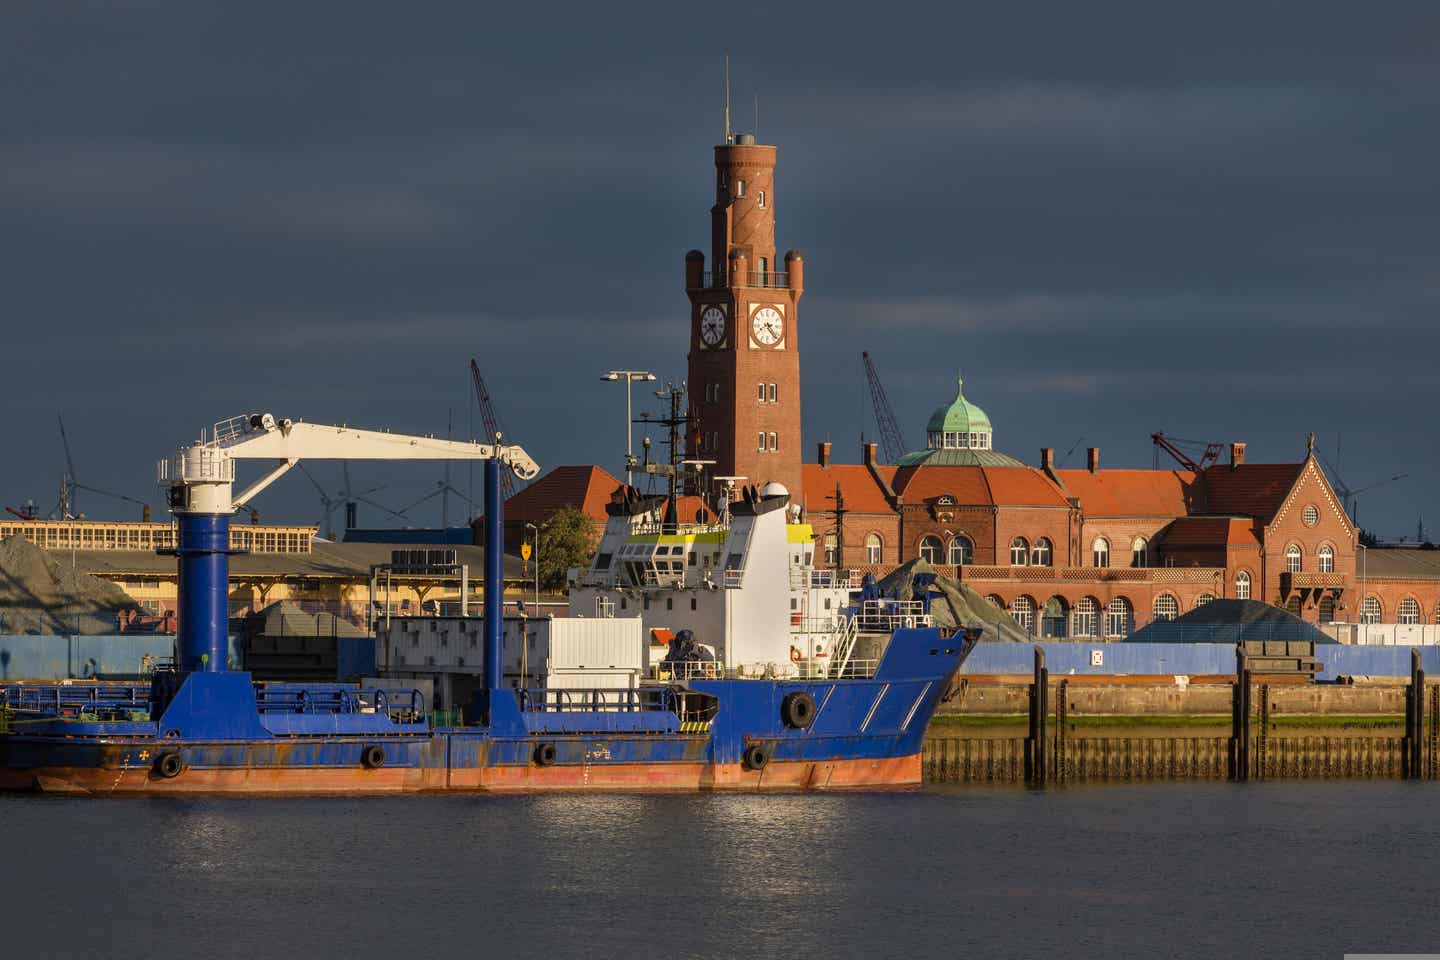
(1101, 699)
(1183, 659)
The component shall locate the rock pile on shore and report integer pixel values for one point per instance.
(39, 595)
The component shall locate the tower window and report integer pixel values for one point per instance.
(774, 445)
(762, 441)
(761, 392)
(772, 393)
(760, 198)
(739, 188)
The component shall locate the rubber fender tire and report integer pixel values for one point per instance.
(798, 709)
(544, 755)
(372, 757)
(169, 765)
(755, 757)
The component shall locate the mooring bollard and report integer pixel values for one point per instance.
(1035, 758)
(1240, 718)
(1412, 765)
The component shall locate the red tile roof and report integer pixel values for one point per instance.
(1002, 486)
(1249, 490)
(1211, 532)
(585, 486)
(862, 494)
(1130, 493)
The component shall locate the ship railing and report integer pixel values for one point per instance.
(824, 668)
(733, 579)
(67, 700)
(595, 700)
(839, 579)
(687, 670)
(402, 706)
(885, 616)
(799, 624)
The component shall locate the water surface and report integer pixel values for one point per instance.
(1311, 869)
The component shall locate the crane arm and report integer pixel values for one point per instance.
(262, 437)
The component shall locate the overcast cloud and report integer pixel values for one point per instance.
(1218, 220)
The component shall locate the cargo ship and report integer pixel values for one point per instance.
(771, 674)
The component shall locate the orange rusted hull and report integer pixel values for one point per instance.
(350, 781)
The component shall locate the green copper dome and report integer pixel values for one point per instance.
(959, 416)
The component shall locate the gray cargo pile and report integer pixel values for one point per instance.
(953, 604)
(39, 595)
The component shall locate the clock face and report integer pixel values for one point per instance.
(768, 326)
(712, 325)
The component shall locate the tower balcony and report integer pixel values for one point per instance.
(774, 279)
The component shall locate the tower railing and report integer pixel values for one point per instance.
(772, 279)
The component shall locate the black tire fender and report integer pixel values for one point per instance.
(544, 755)
(798, 710)
(756, 757)
(169, 765)
(372, 757)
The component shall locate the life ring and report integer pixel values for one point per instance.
(755, 757)
(372, 757)
(544, 754)
(797, 709)
(169, 764)
(796, 655)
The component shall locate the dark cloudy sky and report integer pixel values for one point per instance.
(1219, 220)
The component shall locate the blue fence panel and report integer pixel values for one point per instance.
(113, 657)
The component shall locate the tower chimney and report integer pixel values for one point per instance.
(824, 448)
(1047, 459)
(1237, 454)
(870, 452)
(1092, 459)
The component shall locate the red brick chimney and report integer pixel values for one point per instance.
(824, 446)
(1047, 459)
(871, 452)
(1237, 454)
(1092, 459)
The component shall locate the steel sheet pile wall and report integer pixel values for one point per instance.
(1190, 659)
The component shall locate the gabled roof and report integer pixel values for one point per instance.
(1131, 493)
(1249, 490)
(585, 486)
(862, 494)
(1210, 532)
(1001, 486)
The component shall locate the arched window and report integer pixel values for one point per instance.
(1054, 618)
(1040, 556)
(1242, 585)
(1100, 551)
(995, 599)
(1408, 611)
(962, 551)
(931, 549)
(874, 548)
(1019, 552)
(1292, 558)
(1203, 599)
(1327, 609)
(1166, 607)
(1139, 555)
(832, 553)
(1327, 559)
(1117, 618)
(1023, 610)
(1085, 621)
(1370, 610)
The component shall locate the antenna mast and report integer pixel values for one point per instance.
(727, 96)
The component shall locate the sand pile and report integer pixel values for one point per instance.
(953, 604)
(38, 594)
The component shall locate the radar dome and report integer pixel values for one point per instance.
(774, 489)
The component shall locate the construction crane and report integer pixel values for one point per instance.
(890, 436)
(70, 483)
(1350, 496)
(1209, 451)
(200, 481)
(490, 422)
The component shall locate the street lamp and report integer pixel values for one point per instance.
(629, 376)
(536, 533)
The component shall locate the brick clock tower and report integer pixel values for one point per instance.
(744, 342)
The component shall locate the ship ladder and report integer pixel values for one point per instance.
(843, 647)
